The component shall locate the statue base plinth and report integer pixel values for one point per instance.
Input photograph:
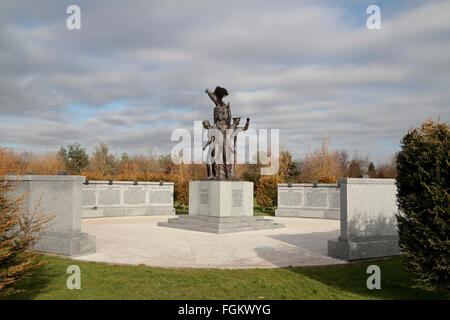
(221, 207)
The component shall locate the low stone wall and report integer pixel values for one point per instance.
(307, 201)
(368, 223)
(59, 196)
(126, 198)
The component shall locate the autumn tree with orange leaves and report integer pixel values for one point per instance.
(20, 229)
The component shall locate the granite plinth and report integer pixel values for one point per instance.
(368, 223)
(67, 243)
(221, 224)
(221, 198)
(220, 207)
(60, 196)
(376, 247)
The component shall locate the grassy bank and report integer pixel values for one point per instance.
(104, 281)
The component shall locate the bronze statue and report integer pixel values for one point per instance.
(222, 138)
(210, 165)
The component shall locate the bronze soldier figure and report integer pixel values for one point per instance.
(223, 166)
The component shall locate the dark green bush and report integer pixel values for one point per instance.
(423, 199)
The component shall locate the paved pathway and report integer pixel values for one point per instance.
(138, 240)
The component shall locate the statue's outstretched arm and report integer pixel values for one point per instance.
(213, 97)
(247, 124)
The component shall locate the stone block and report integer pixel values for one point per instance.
(60, 196)
(368, 223)
(345, 249)
(220, 198)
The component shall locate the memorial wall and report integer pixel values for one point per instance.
(306, 200)
(127, 198)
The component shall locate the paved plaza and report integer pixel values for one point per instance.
(138, 240)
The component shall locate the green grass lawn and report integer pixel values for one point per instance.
(180, 210)
(105, 281)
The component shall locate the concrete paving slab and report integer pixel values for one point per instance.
(134, 240)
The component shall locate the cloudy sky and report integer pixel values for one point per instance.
(137, 70)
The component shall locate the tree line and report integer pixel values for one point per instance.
(324, 165)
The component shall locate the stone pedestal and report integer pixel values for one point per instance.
(221, 198)
(221, 207)
(60, 196)
(368, 223)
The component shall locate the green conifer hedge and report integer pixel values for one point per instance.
(423, 199)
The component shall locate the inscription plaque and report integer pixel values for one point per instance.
(88, 197)
(204, 196)
(335, 201)
(316, 198)
(237, 196)
(109, 196)
(160, 195)
(290, 198)
(134, 195)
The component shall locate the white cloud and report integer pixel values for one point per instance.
(298, 66)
